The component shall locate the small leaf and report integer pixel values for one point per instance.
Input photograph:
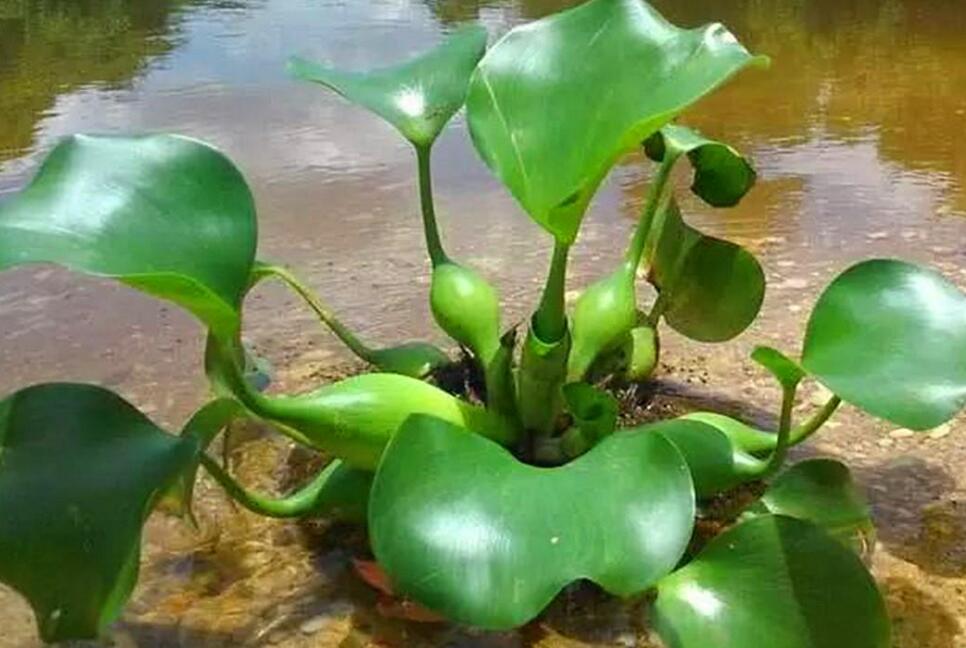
(890, 337)
(595, 415)
(413, 359)
(772, 581)
(714, 288)
(168, 215)
(80, 471)
(418, 97)
(465, 529)
(555, 103)
(722, 176)
(783, 368)
(822, 491)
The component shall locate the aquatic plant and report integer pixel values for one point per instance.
(484, 511)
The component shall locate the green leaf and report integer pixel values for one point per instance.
(822, 491)
(716, 462)
(554, 104)
(742, 435)
(80, 471)
(722, 176)
(890, 337)
(713, 289)
(465, 529)
(168, 215)
(772, 581)
(413, 359)
(783, 368)
(418, 97)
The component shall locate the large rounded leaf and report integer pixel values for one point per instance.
(821, 491)
(772, 581)
(722, 176)
(165, 214)
(555, 103)
(417, 97)
(464, 528)
(890, 337)
(713, 288)
(80, 470)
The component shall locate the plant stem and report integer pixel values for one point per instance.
(816, 421)
(347, 337)
(297, 504)
(635, 250)
(780, 452)
(550, 322)
(433, 243)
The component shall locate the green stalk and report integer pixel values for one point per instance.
(778, 456)
(550, 321)
(430, 228)
(635, 251)
(313, 498)
(815, 421)
(347, 337)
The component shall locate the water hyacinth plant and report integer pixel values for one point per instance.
(482, 511)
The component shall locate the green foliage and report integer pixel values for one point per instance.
(418, 97)
(772, 581)
(165, 214)
(890, 337)
(80, 470)
(461, 517)
(501, 538)
(554, 104)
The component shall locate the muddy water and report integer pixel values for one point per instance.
(858, 131)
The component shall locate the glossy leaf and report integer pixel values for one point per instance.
(772, 581)
(168, 215)
(713, 288)
(464, 528)
(822, 491)
(890, 337)
(722, 176)
(743, 436)
(418, 97)
(80, 470)
(413, 359)
(555, 103)
(716, 462)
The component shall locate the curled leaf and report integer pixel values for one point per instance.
(722, 176)
(418, 97)
(165, 214)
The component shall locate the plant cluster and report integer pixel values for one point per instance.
(484, 510)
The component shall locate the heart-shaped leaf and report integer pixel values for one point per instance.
(166, 214)
(418, 97)
(555, 103)
(713, 288)
(822, 491)
(890, 337)
(722, 176)
(80, 471)
(464, 528)
(772, 581)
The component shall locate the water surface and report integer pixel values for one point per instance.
(858, 131)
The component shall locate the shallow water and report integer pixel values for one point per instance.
(858, 132)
